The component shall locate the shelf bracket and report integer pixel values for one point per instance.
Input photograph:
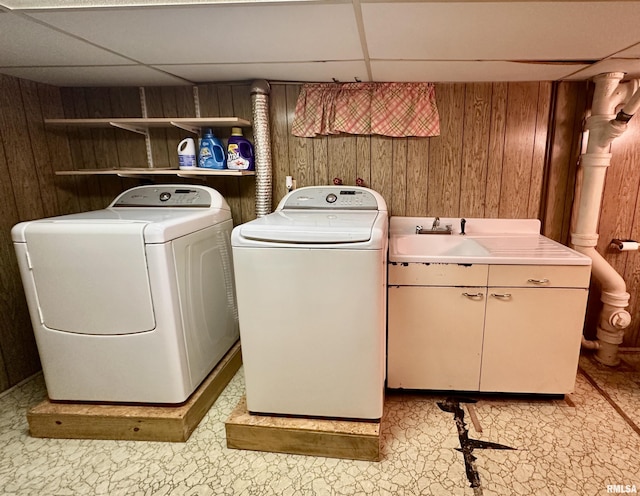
(139, 130)
(129, 127)
(131, 176)
(192, 176)
(186, 127)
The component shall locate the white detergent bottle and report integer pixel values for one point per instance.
(187, 154)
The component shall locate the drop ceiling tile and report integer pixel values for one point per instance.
(631, 68)
(76, 4)
(95, 76)
(467, 71)
(293, 71)
(218, 33)
(24, 42)
(631, 52)
(499, 30)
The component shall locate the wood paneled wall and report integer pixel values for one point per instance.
(489, 160)
(505, 150)
(28, 156)
(117, 148)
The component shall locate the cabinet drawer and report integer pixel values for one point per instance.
(544, 276)
(422, 274)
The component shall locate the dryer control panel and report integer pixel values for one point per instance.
(332, 197)
(164, 196)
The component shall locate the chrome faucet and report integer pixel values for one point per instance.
(435, 228)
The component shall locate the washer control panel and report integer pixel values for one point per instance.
(331, 197)
(164, 196)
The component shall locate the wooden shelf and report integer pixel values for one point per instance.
(142, 124)
(143, 172)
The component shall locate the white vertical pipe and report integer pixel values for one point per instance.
(632, 106)
(603, 128)
(594, 167)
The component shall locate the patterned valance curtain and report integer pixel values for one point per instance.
(388, 109)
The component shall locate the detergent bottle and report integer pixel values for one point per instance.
(187, 154)
(239, 151)
(212, 154)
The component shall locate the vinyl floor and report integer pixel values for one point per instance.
(587, 443)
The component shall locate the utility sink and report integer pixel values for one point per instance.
(486, 241)
(440, 246)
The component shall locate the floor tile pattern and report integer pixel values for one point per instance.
(558, 449)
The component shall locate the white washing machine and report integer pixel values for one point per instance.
(135, 302)
(311, 285)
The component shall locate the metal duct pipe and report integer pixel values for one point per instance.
(260, 90)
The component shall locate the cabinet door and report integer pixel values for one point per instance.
(532, 339)
(435, 337)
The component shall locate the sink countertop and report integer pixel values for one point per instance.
(487, 241)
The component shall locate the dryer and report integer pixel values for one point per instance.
(311, 282)
(135, 302)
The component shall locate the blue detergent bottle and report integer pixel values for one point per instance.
(212, 153)
(239, 151)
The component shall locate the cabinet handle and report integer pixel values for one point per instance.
(538, 281)
(504, 296)
(473, 295)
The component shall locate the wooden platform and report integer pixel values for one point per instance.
(354, 440)
(134, 422)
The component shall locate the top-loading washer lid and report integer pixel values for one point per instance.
(311, 226)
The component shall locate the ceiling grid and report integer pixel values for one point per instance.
(186, 42)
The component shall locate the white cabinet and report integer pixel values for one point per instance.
(532, 340)
(435, 337)
(435, 325)
(497, 328)
(533, 328)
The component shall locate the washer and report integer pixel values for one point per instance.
(135, 302)
(311, 281)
